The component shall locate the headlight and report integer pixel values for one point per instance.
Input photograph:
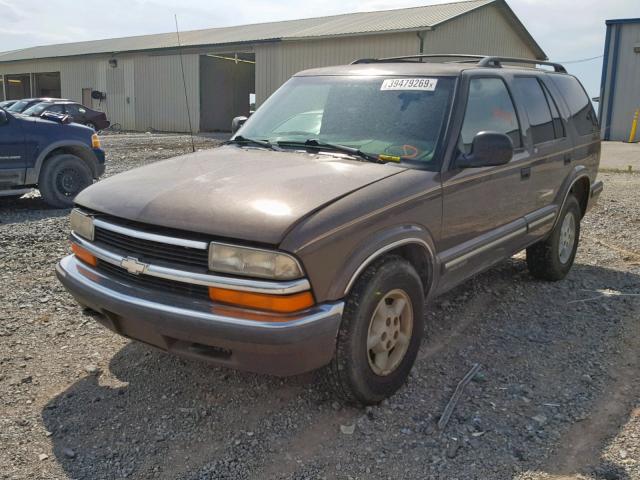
(252, 262)
(82, 224)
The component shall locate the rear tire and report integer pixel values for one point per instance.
(380, 334)
(551, 259)
(62, 178)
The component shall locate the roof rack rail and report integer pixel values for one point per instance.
(496, 62)
(483, 60)
(416, 58)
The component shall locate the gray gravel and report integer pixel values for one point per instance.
(556, 396)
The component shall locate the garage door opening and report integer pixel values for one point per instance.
(18, 86)
(47, 84)
(227, 87)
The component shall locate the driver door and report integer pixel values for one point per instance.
(12, 152)
(484, 208)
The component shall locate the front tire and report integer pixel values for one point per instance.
(380, 334)
(551, 259)
(62, 178)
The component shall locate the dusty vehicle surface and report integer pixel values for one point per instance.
(355, 194)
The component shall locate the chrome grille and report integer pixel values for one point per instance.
(148, 250)
(155, 283)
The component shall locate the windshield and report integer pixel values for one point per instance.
(18, 106)
(37, 109)
(397, 117)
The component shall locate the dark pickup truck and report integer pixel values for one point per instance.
(50, 153)
(350, 198)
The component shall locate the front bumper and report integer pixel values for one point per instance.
(100, 161)
(221, 335)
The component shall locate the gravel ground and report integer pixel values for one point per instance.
(557, 396)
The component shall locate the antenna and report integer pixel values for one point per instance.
(184, 83)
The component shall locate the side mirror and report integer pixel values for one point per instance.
(3, 117)
(487, 150)
(236, 123)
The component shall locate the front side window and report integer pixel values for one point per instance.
(530, 96)
(38, 108)
(394, 116)
(56, 109)
(489, 108)
(19, 106)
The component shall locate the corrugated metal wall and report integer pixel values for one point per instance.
(621, 90)
(143, 92)
(159, 99)
(277, 62)
(146, 92)
(485, 31)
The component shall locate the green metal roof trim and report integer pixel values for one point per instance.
(406, 19)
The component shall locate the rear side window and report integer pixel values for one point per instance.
(489, 108)
(582, 114)
(530, 95)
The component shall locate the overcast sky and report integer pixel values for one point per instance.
(566, 30)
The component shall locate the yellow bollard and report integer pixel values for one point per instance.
(634, 126)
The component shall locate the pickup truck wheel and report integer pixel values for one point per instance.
(552, 258)
(380, 333)
(62, 178)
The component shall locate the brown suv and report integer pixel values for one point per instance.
(350, 198)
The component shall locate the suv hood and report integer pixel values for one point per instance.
(244, 193)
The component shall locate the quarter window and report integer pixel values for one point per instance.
(489, 108)
(532, 98)
(582, 114)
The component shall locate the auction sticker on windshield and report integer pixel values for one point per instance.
(424, 84)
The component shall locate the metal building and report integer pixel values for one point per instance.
(620, 87)
(142, 80)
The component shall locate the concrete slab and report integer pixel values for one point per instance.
(619, 156)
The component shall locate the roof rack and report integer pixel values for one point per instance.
(416, 58)
(496, 62)
(483, 60)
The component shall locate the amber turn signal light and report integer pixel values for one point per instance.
(260, 301)
(84, 255)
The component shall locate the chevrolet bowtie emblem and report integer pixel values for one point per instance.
(133, 265)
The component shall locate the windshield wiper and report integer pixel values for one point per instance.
(240, 140)
(313, 143)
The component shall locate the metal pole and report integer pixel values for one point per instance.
(184, 83)
(634, 126)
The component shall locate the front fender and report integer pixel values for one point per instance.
(81, 148)
(381, 243)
